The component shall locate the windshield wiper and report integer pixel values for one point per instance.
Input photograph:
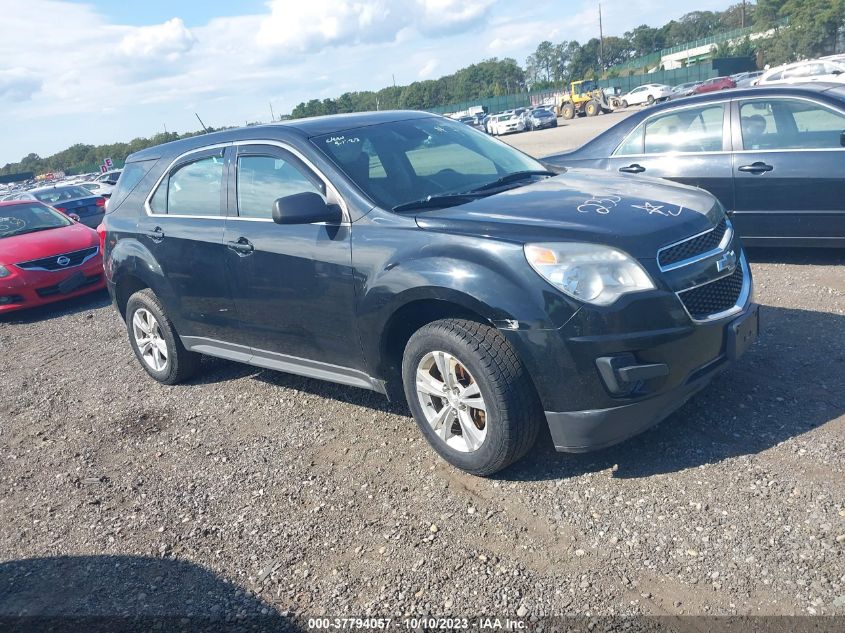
(517, 175)
(26, 231)
(439, 201)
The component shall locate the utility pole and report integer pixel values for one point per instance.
(601, 42)
(272, 114)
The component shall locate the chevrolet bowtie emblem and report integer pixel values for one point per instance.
(727, 262)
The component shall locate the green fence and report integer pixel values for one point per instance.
(647, 61)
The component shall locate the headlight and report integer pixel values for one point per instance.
(4, 272)
(588, 272)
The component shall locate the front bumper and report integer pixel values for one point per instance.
(27, 289)
(593, 429)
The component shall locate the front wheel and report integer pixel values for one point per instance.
(470, 395)
(155, 342)
(650, 100)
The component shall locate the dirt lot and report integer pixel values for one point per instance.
(249, 490)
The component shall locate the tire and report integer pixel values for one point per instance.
(554, 124)
(624, 103)
(592, 108)
(568, 111)
(485, 361)
(650, 100)
(179, 363)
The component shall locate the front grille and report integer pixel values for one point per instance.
(714, 297)
(54, 290)
(692, 247)
(75, 258)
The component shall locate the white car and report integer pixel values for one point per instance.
(799, 72)
(649, 93)
(506, 123)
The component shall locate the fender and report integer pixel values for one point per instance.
(488, 278)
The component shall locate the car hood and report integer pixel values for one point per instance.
(29, 246)
(636, 214)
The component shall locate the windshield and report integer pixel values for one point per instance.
(61, 194)
(402, 161)
(17, 219)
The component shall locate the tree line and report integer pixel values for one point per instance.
(815, 28)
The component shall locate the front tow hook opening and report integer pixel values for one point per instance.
(623, 375)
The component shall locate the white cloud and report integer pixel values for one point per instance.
(437, 18)
(169, 40)
(18, 84)
(308, 27)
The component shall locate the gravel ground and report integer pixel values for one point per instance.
(249, 491)
(315, 498)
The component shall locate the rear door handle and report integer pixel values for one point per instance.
(156, 235)
(756, 168)
(633, 169)
(242, 246)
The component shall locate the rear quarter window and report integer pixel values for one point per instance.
(132, 174)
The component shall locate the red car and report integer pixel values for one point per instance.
(712, 85)
(45, 256)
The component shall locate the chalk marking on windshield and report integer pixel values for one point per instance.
(342, 140)
(11, 224)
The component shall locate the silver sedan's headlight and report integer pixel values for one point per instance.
(588, 272)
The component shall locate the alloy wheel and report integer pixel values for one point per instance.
(149, 339)
(451, 401)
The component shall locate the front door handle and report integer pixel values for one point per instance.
(756, 168)
(156, 235)
(242, 246)
(633, 169)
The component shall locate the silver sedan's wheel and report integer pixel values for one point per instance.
(149, 339)
(451, 401)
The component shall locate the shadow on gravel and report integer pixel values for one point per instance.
(93, 301)
(218, 370)
(788, 383)
(126, 593)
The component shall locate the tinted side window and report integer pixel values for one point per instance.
(688, 130)
(790, 124)
(192, 188)
(132, 174)
(263, 179)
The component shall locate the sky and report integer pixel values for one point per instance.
(102, 71)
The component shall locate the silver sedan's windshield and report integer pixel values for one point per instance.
(399, 162)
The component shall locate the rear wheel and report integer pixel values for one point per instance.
(155, 342)
(470, 395)
(592, 108)
(568, 111)
(624, 103)
(650, 100)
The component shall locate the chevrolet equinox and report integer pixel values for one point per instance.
(415, 256)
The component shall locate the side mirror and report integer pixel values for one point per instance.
(73, 217)
(304, 208)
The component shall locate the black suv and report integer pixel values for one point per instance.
(415, 256)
